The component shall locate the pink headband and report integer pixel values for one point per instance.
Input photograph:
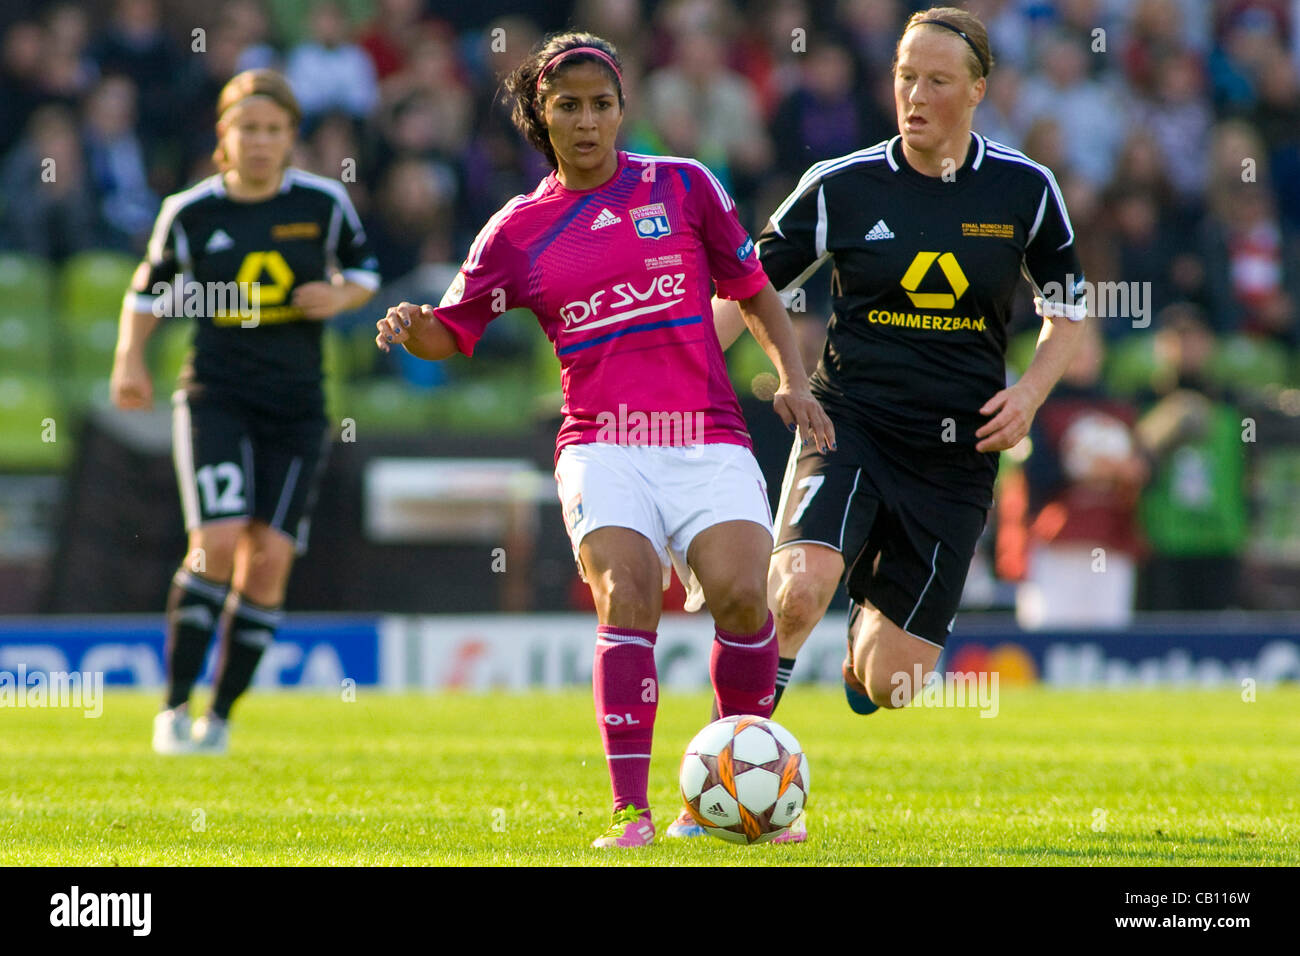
(555, 60)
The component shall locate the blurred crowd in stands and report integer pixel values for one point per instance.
(1173, 127)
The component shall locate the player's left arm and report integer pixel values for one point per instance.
(1014, 407)
(354, 271)
(1052, 266)
(323, 300)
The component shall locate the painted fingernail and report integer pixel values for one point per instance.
(793, 428)
(407, 322)
(834, 447)
(390, 338)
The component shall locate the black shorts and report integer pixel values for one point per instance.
(907, 546)
(234, 462)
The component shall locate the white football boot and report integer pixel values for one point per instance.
(211, 735)
(171, 731)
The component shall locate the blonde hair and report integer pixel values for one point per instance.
(960, 23)
(240, 87)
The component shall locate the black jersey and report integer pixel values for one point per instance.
(207, 249)
(925, 269)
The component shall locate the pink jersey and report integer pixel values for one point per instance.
(619, 278)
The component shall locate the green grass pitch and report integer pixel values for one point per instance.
(1142, 777)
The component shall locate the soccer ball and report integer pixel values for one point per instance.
(744, 779)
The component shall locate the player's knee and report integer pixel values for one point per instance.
(627, 603)
(889, 686)
(211, 553)
(801, 601)
(741, 608)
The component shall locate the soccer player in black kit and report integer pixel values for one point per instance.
(929, 234)
(261, 254)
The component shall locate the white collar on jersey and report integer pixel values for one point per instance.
(286, 182)
(898, 141)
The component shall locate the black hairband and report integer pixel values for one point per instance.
(961, 33)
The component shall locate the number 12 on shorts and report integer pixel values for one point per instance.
(222, 487)
(812, 483)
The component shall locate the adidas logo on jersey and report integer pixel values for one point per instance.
(879, 231)
(218, 241)
(603, 219)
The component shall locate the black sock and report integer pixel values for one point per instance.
(784, 668)
(193, 610)
(250, 630)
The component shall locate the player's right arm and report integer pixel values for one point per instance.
(483, 289)
(417, 328)
(130, 385)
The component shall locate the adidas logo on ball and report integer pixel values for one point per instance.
(744, 779)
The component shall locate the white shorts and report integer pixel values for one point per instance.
(667, 494)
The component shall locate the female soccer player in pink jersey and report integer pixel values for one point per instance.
(617, 255)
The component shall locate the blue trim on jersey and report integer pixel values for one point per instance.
(560, 225)
(643, 327)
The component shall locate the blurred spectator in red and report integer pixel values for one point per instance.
(49, 206)
(117, 167)
(1083, 475)
(329, 72)
(1156, 31)
(435, 79)
(388, 37)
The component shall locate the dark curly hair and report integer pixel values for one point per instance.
(521, 85)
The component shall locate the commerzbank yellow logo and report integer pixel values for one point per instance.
(271, 264)
(917, 271)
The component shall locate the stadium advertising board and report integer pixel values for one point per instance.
(486, 652)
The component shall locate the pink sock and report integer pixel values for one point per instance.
(743, 670)
(626, 688)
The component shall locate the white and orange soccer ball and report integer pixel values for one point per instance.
(744, 779)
